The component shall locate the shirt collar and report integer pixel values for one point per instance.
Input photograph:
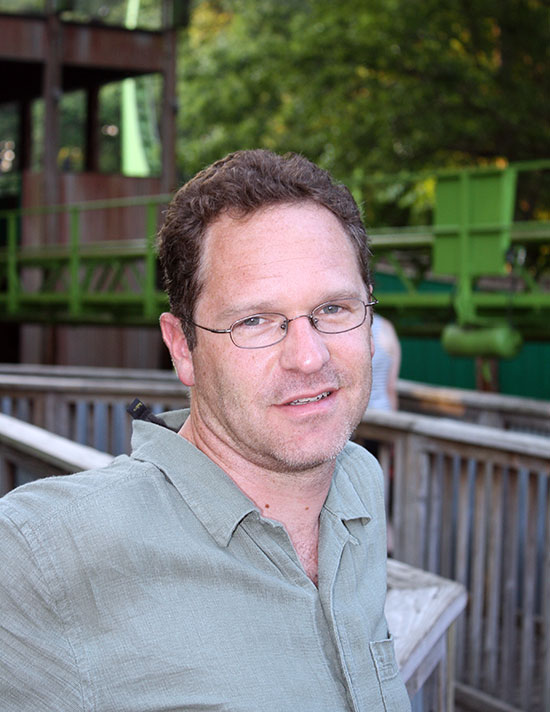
(212, 495)
(343, 499)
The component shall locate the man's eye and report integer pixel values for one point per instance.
(252, 321)
(332, 309)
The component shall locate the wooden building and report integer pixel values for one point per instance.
(44, 55)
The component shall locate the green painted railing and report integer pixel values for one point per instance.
(473, 266)
(75, 279)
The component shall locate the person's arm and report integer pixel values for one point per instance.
(37, 666)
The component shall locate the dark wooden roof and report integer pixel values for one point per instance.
(90, 55)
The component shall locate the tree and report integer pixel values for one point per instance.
(366, 87)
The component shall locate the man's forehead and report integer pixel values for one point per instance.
(266, 255)
(238, 216)
(272, 218)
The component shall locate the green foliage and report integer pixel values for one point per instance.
(366, 88)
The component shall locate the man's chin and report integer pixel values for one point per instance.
(295, 459)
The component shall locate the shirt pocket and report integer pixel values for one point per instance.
(392, 688)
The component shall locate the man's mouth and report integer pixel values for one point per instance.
(313, 399)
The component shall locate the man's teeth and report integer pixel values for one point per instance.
(301, 401)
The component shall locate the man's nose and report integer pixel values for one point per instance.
(303, 348)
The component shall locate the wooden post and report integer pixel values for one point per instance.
(52, 90)
(91, 162)
(487, 375)
(169, 106)
(450, 667)
(25, 136)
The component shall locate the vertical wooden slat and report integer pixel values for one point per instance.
(81, 422)
(384, 458)
(422, 505)
(71, 410)
(385, 464)
(110, 423)
(50, 412)
(451, 667)
(63, 416)
(461, 575)
(399, 498)
(6, 405)
(435, 505)
(509, 680)
(448, 504)
(417, 486)
(528, 594)
(100, 425)
(22, 410)
(119, 429)
(477, 588)
(442, 687)
(7, 474)
(495, 487)
(410, 547)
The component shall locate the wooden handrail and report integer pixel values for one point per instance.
(53, 450)
(480, 436)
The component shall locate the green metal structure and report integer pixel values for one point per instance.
(475, 277)
(472, 277)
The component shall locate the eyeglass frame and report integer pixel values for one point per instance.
(286, 322)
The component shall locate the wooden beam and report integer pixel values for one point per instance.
(54, 450)
(52, 89)
(478, 701)
(91, 162)
(24, 148)
(169, 113)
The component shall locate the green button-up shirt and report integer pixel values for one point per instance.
(155, 584)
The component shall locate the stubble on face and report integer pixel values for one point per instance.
(270, 447)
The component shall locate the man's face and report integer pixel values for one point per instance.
(286, 259)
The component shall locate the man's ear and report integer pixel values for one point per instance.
(174, 338)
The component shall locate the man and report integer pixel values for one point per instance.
(236, 562)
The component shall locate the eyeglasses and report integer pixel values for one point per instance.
(258, 331)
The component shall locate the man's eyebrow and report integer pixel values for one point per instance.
(237, 312)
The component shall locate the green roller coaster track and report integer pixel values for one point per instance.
(473, 268)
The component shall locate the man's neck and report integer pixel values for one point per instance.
(294, 499)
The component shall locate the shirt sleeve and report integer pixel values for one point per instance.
(37, 666)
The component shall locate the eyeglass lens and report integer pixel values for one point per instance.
(335, 317)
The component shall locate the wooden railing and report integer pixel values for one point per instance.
(472, 503)
(28, 452)
(468, 502)
(88, 405)
(495, 409)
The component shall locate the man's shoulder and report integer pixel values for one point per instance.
(54, 498)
